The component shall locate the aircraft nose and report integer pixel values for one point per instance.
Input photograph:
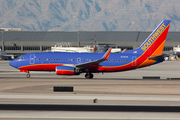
(12, 63)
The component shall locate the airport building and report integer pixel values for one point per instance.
(21, 42)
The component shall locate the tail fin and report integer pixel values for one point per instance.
(154, 44)
(150, 51)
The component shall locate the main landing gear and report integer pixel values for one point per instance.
(89, 75)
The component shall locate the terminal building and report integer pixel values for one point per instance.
(21, 42)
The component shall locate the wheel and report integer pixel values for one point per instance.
(28, 75)
(89, 76)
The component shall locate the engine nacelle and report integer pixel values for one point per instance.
(66, 70)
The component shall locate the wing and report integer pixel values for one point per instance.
(96, 62)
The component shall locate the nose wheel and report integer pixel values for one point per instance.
(28, 75)
(89, 75)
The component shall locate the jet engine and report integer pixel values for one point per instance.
(66, 70)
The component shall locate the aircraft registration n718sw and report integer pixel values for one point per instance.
(149, 53)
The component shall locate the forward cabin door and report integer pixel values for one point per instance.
(32, 58)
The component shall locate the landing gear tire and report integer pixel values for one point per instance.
(89, 76)
(28, 75)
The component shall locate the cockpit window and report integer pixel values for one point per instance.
(20, 58)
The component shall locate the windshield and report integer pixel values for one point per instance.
(20, 58)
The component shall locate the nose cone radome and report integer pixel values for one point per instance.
(12, 63)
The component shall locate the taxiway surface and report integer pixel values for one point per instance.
(114, 89)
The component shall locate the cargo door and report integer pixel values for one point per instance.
(134, 63)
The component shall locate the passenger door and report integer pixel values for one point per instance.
(32, 58)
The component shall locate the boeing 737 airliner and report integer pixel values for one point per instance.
(149, 53)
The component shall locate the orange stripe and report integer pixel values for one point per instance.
(149, 62)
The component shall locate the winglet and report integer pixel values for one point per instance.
(106, 55)
(124, 50)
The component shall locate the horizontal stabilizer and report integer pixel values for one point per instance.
(157, 57)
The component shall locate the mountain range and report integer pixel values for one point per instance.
(88, 15)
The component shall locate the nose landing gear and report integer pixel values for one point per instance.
(89, 75)
(26, 71)
(28, 75)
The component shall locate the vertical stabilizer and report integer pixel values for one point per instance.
(154, 44)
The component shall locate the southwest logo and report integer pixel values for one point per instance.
(153, 37)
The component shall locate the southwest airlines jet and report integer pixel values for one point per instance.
(149, 53)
